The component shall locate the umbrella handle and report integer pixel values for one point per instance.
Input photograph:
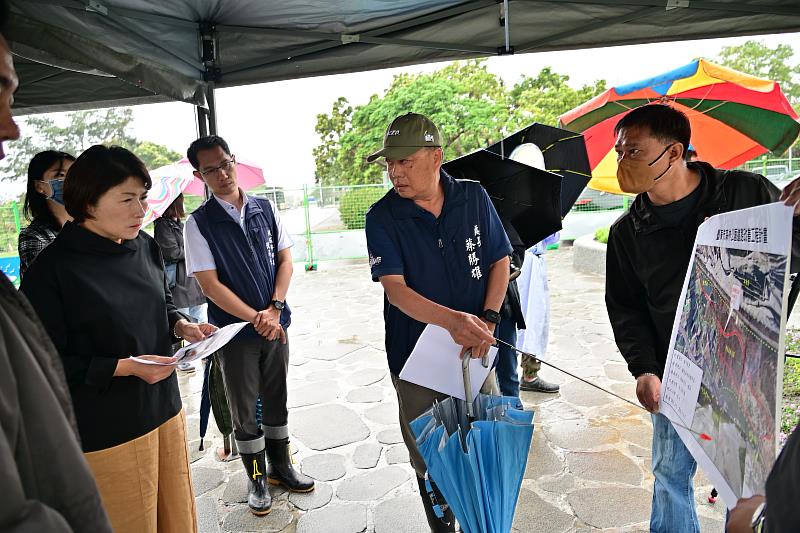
(467, 383)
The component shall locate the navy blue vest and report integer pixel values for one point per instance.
(245, 259)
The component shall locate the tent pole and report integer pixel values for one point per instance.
(212, 109)
(506, 23)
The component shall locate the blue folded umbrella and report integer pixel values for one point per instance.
(477, 460)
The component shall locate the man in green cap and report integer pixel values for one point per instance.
(439, 250)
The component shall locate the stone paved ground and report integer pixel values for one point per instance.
(588, 468)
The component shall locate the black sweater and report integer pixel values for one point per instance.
(100, 302)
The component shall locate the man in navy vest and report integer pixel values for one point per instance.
(240, 254)
(440, 252)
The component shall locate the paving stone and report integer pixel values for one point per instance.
(397, 454)
(640, 434)
(366, 455)
(401, 515)
(367, 357)
(207, 515)
(390, 436)
(312, 394)
(619, 372)
(204, 479)
(385, 413)
(366, 376)
(579, 393)
(711, 525)
(579, 435)
(321, 495)
(609, 466)
(535, 514)
(542, 460)
(240, 519)
(331, 351)
(194, 449)
(556, 411)
(372, 485)
(323, 375)
(626, 390)
(296, 360)
(365, 395)
(334, 518)
(236, 489)
(327, 426)
(559, 485)
(324, 466)
(639, 451)
(611, 506)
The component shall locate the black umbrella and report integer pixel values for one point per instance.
(564, 153)
(527, 197)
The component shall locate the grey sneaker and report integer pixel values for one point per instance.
(185, 367)
(539, 385)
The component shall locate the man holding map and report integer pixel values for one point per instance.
(439, 250)
(649, 250)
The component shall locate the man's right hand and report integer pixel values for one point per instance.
(648, 390)
(469, 331)
(268, 324)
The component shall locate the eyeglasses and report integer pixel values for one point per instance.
(226, 166)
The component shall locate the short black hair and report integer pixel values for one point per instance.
(665, 123)
(97, 170)
(205, 143)
(35, 206)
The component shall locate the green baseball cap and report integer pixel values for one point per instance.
(407, 134)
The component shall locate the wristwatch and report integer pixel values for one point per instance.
(279, 305)
(758, 518)
(491, 316)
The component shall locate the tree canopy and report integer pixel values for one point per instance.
(758, 59)
(75, 133)
(471, 106)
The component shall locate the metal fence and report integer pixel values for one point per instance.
(327, 223)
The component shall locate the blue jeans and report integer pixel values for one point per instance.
(673, 509)
(506, 362)
(196, 312)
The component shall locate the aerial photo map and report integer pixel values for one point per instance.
(730, 327)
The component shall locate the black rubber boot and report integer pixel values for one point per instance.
(280, 470)
(447, 522)
(258, 498)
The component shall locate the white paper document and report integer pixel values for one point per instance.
(435, 364)
(203, 348)
(724, 370)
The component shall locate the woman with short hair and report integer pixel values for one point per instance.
(101, 293)
(44, 204)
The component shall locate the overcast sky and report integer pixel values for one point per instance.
(273, 123)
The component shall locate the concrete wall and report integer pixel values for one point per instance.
(589, 256)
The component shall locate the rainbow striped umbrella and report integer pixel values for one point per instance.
(735, 116)
(166, 187)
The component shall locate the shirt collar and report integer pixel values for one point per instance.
(229, 206)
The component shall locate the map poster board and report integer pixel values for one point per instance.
(724, 370)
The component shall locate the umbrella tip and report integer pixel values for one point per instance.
(201, 445)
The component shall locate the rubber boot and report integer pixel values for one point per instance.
(258, 498)
(280, 470)
(440, 517)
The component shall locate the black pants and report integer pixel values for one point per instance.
(254, 367)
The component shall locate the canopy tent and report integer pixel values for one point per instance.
(74, 54)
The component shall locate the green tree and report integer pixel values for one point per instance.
(472, 107)
(758, 59)
(546, 97)
(76, 132)
(466, 101)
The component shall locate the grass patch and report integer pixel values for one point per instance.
(790, 412)
(601, 235)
